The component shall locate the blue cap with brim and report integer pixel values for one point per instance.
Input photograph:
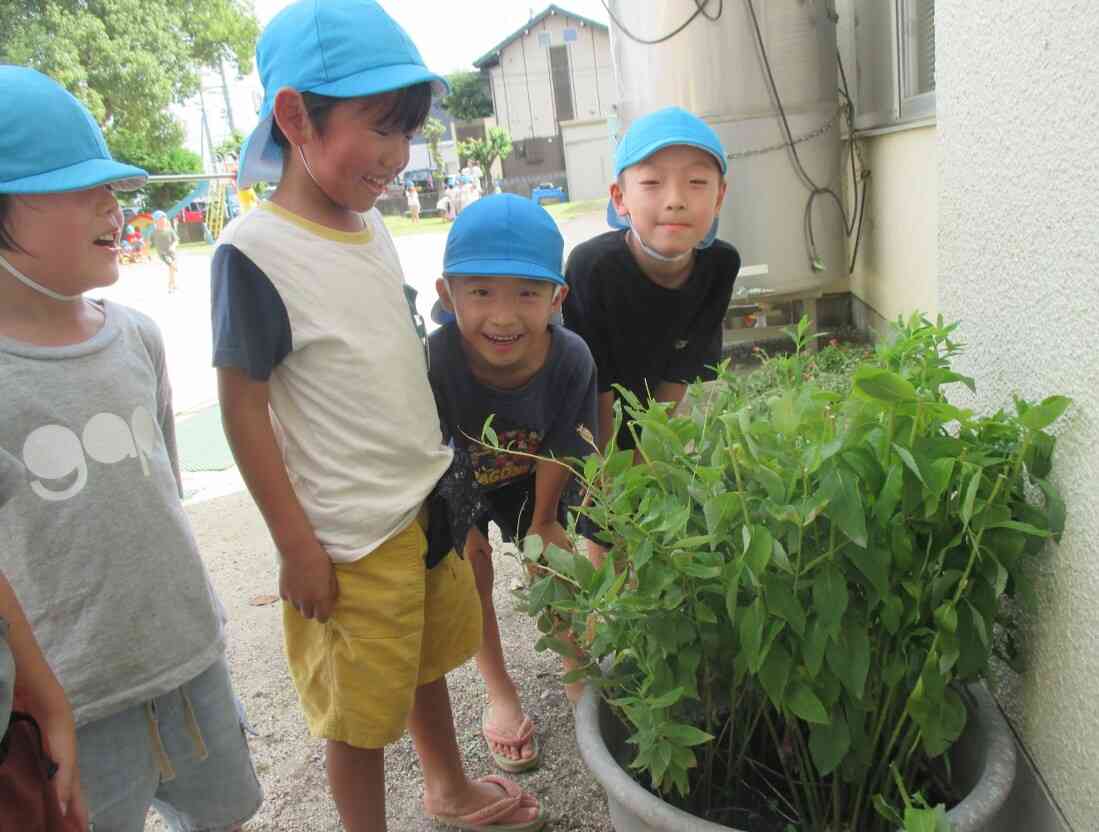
(50, 143)
(670, 127)
(338, 48)
(502, 235)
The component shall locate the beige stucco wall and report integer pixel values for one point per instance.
(1018, 263)
(896, 272)
(521, 90)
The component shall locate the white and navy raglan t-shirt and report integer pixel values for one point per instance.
(323, 317)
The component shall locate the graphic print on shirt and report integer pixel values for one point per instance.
(55, 455)
(492, 469)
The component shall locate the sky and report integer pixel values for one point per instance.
(450, 34)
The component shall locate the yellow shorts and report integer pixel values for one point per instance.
(396, 626)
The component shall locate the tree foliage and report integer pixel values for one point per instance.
(165, 157)
(129, 60)
(495, 145)
(433, 131)
(468, 97)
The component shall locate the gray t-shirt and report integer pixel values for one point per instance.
(94, 540)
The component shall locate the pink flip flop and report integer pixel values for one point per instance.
(490, 818)
(518, 740)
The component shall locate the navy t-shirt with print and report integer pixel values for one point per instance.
(543, 418)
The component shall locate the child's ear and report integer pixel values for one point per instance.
(560, 292)
(292, 116)
(616, 198)
(444, 294)
(722, 188)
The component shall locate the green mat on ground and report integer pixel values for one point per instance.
(201, 441)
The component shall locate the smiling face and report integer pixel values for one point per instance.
(69, 241)
(504, 323)
(671, 198)
(358, 152)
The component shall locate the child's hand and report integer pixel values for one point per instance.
(308, 581)
(61, 740)
(552, 532)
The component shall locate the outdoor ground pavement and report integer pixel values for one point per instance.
(239, 555)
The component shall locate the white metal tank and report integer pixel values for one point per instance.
(713, 68)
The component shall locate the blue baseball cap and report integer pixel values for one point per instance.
(672, 126)
(50, 143)
(338, 48)
(503, 235)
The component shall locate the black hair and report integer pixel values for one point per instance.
(7, 242)
(407, 111)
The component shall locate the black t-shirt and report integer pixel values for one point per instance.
(639, 333)
(540, 418)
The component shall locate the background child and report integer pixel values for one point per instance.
(499, 355)
(165, 240)
(649, 298)
(95, 541)
(326, 403)
(413, 197)
(38, 800)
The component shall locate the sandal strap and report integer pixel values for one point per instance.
(517, 740)
(487, 815)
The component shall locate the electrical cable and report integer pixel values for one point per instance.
(815, 190)
(700, 9)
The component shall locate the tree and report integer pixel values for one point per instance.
(230, 146)
(468, 97)
(129, 60)
(167, 157)
(433, 131)
(495, 145)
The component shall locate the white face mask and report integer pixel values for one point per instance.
(38, 287)
(656, 255)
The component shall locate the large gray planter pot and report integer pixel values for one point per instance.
(984, 761)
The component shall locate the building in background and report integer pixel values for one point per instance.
(552, 89)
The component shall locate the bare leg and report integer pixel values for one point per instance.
(356, 777)
(447, 790)
(505, 709)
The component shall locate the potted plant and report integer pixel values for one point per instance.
(802, 578)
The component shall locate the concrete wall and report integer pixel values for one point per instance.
(1018, 131)
(896, 273)
(589, 158)
(521, 90)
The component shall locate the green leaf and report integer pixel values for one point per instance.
(828, 744)
(667, 699)
(642, 553)
(890, 494)
(685, 735)
(758, 547)
(947, 617)
(849, 659)
(909, 461)
(488, 435)
(830, 598)
(805, 704)
(532, 547)
(784, 414)
(732, 588)
(816, 639)
(782, 602)
(845, 506)
(1045, 414)
(874, 564)
(970, 499)
(1055, 509)
(883, 386)
(752, 620)
(775, 673)
(1025, 528)
(561, 560)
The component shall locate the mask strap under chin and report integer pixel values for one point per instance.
(656, 255)
(38, 287)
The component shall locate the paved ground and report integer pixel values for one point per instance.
(239, 555)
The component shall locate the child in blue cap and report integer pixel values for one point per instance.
(96, 543)
(325, 399)
(498, 355)
(650, 296)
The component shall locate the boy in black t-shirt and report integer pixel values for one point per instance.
(497, 354)
(649, 298)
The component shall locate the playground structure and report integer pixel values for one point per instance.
(218, 191)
